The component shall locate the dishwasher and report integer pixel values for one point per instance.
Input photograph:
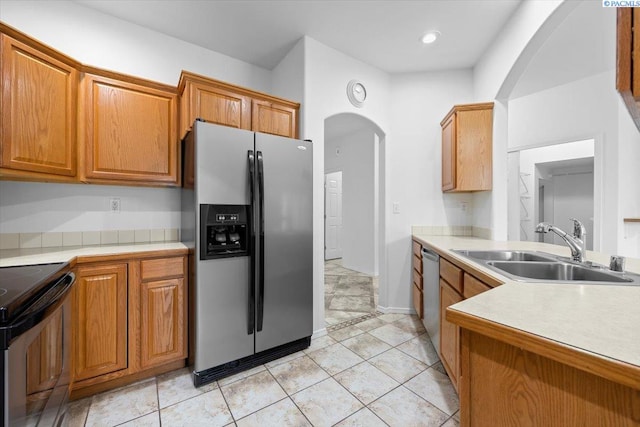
(431, 295)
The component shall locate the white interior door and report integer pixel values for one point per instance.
(333, 215)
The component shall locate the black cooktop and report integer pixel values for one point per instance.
(20, 285)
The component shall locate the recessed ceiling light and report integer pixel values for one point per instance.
(430, 37)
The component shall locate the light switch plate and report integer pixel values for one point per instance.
(396, 207)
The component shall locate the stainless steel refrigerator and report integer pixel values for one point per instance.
(247, 218)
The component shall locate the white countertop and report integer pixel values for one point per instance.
(600, 319)
(13, 257)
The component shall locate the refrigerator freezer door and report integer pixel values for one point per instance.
(221, 291)
(287, 311)
(222, 174)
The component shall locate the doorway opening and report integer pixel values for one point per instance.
(352, 218)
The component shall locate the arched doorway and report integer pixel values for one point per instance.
(353, 217)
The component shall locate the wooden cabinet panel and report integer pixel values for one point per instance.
(100, 322)
(449, 334)
(467, 156)
(163, 267)
(505, 385)
(448, 154)
(163, 322)
(417, 279)
(473, 286)
(418, 301)
(416, 248)
(130, 133)
(417, 264)
(39, 108)
(269, 117)
(215, 105)
(452, 274)
(229, 105)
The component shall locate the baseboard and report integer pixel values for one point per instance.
(319, 333)
(396, 310)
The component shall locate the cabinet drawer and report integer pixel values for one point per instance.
(163, 267)
(417, 249)
(417, 279)
(417, 301)
(452, 274)
(473, 286)
(417, 264)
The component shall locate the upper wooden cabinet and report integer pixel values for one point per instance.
(212, 101)
(39, 106)
(229, 105)
(274, 118)
(467, 134)
(128, 130)
(628, 52)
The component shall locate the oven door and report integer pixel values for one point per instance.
(37, 363)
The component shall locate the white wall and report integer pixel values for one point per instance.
(573, 198)
(494, 76)
(418, 103)
(527, 166)
(584, 109)
(97, 39)
(327, 73)
(100, 40)
(354, 155)
(30, 207)
(628, 190)
(288, 78)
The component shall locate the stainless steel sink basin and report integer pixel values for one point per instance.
(558, 271)
(533, 266)
(508, 255)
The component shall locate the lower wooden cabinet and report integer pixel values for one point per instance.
(129, 321)
(416, 288)
(456, 285)
(100, 318)
(449, 334)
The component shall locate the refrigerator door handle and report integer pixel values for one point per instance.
(261, 259)
(252, 252)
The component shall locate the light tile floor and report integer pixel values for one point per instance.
(380, 372)
(348, 294)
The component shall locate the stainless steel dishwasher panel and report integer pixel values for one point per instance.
(431, 295)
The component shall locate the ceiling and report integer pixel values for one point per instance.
(384, 34)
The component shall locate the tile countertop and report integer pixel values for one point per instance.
(13, 257)
(603, 320)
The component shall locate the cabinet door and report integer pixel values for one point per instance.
(276, 119)
(417, 301)
(100, 320)
(449, 334)
(39, 107)
(214, 105)
(449, 154)
(130, 132)
(163, 322)
(474, 155)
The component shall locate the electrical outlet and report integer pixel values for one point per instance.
(396, 207)
(114, 205)
(463, 206)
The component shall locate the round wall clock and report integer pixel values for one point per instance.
(356, 93)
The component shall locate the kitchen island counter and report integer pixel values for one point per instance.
(595, 328)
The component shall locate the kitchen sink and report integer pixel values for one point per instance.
(508, 255)
(533, 266)
(558, 271)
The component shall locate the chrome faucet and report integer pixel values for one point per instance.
(577, 242)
